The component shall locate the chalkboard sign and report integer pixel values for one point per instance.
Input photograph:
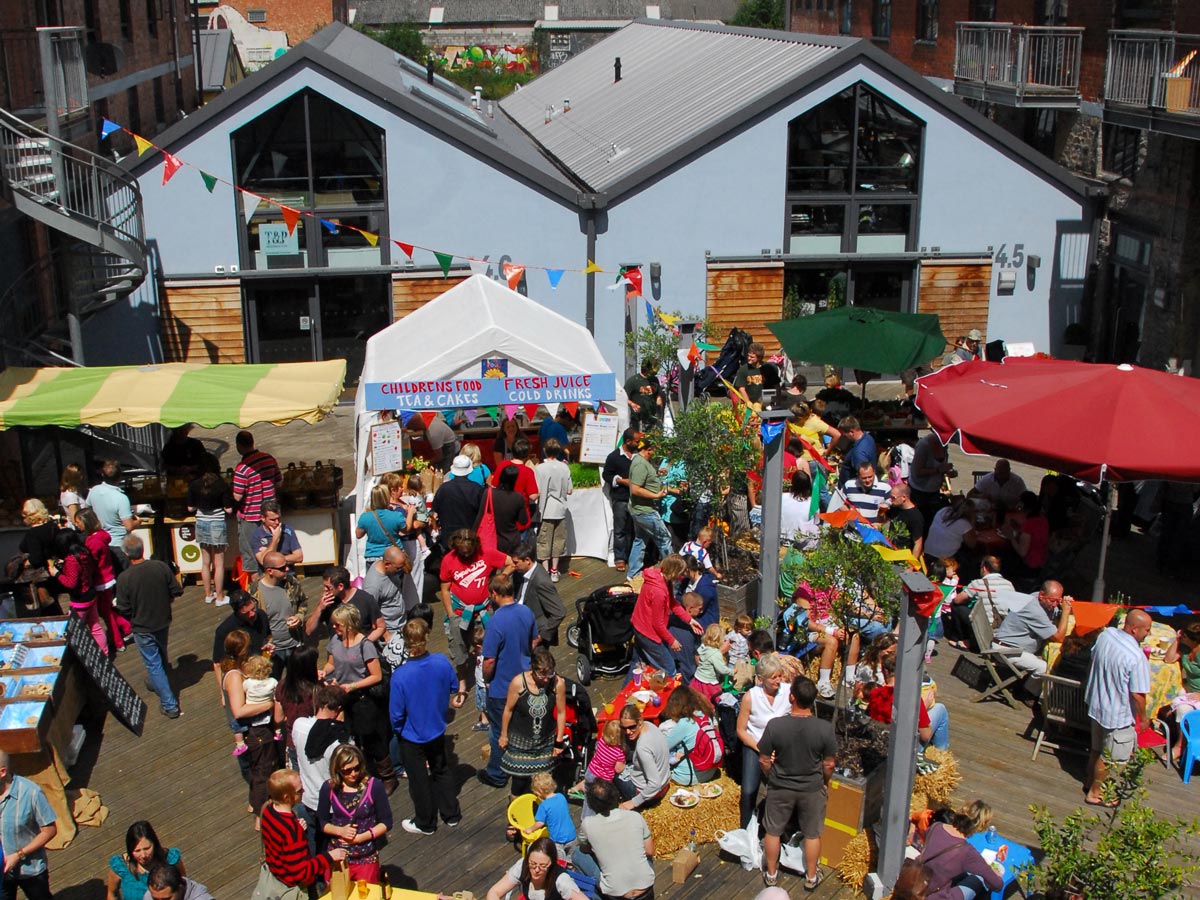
(126, 705)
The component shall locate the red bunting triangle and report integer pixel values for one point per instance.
(513, 275)
(530, 411)
(427, 417)
(407, 248)
(634, 277)
(171, 165)
(572, 408)
(290, 217)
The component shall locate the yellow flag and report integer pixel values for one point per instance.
(592, 267)
(142, 144)
(670, 320)
(372, 239)
(895, 554)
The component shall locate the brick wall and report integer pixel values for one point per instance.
(301, 19)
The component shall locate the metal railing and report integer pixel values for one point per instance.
(1154, 69)
(63, 71)
(1022, 60)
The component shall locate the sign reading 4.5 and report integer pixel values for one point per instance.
(1015, 261)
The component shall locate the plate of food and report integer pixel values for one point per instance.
(642, 697)
(684, 799)
(710, 791)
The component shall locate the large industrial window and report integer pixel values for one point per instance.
(1121, 146)
(853, 176)
(927, 20)
(881, 19)
(982, 11)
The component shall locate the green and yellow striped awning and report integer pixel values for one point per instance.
(171, 394)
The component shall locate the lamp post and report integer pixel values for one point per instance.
(772, 510)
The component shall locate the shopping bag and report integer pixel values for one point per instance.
(487, 523)
(791, 853)
(339, 882)
(744, 844)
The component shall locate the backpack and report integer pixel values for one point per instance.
(709, 749)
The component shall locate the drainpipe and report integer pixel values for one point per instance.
(196, 67)
(175, 56)
(591, 205)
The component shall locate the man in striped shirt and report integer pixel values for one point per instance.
(1117, 684)
(865, 493)
(285, 846)
(254, 482)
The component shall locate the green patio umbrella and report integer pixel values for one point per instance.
(862, 338)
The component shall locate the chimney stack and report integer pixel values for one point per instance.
(616, 70)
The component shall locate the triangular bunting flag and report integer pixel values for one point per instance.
(210, 181)
(705, 346)
(405, 415)
(492, 412)
(871, 535)
(250, 202)
(142, 144)
(513, 275)
(592, 267)
(291, 217)
(572, 408)
(693, 354)
(478, 266)
(818, 486)
(407, 248)
(551, 409)
(530, 410)
(840, 517)
(448, 415)
(555, 276)
(171, 165)
(816, 456)
(427, 417)
(444, 260)
(372, 238)
(616, 284)
(471, 415)
(108, 127)
(633, 276)
(670, 320)
(770, 431)
(330, 226)
(894, 554)
(649, 312)
(510, 410)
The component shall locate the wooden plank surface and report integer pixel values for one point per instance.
(411, 292)
(744, 298)
(181, 777)
(958, 293)
(204, 324)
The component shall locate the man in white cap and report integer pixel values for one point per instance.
(456, 503)
(965, 349)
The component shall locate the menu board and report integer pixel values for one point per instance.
(600, 433)
(387, 447)
(126, 705)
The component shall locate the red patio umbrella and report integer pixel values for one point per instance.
(1088, 420)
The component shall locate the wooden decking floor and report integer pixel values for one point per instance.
(180, 776)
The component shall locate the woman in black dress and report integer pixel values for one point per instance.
(535, 721)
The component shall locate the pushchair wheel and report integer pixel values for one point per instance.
(573, 636)
(583, 668)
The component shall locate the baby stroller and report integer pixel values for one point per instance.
(581, 735)
(603, 632)
(730, 359)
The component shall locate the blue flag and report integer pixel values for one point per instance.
(770, 431)
(555, 276)
(870, 535)
(107, 128)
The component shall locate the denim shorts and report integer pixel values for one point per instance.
(211, 532)
(481, 698)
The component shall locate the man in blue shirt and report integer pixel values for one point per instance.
(110, 503)
(507, 644)
(555, 428)
(27, 824)
(418, 707)
(272, 535)
(863, 449)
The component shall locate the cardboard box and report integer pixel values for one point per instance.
(1177, 93)
(834, 839)
(683, 865)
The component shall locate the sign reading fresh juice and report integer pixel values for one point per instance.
(454, 393)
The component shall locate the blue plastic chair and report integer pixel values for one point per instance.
(1190, 727)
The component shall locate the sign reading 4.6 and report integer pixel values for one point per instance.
(1015, 262)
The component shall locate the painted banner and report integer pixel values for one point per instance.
(454, 393)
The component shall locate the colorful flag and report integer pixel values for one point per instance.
(291, 217)
(171, 165)
(444, 260)
(210, 181)
(555, 276)
(513, 275)
(407, 248)
(107, 127)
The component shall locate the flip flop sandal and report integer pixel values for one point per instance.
(811, 886)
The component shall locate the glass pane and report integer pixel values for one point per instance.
(810, 290)
(883, 227)
(347, 154)
(819, 147)
(816, 229)
(889, 145)
(349, 249)
(352, 309)
(284, 323)
(271, 154)
(882, 288)
(271, 247)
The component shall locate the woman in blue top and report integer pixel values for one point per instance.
(686, 766)
(381, 526)
(129, 872)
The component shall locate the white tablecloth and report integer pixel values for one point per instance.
(589, 524)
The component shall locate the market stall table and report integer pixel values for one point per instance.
(1018, 857)
(375, 892)
(651, 710)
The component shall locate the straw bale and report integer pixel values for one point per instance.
(857, 859)
(672, 826)
(939, 785)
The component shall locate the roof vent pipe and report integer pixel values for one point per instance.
(616, 69)
(479, 97)
(429, 71)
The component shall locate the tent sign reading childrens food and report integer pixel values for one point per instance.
(453, 393)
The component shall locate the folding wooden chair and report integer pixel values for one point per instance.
(997, 660)
(1063, 710)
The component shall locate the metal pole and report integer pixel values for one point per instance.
(1098, 586)
(772, 511)
(902, 742)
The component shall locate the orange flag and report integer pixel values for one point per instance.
(291, 217)
(513, 275)
(1090, 616)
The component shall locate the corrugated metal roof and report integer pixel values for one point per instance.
(677, 83)
(214, 56)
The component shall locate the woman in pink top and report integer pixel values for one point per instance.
(1029, 540)
(653, 643)
(96, 539)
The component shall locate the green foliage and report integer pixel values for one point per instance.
(496, 83)
(715, 448)
(405, 39)
(655, 340)
(584, 475)
(842, 565)
(759, 14)
(1129, 851)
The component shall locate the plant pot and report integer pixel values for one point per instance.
(739, 599)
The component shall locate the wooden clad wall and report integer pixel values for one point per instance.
(411, 292)
(202, 322)
(958, 291)
(745, 296)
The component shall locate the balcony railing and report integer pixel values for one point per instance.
(1018, 65)
(42, 71)
(1153, 72)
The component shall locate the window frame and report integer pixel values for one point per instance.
(881, 20)
(927, 22)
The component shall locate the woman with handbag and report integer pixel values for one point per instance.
(354, 665)
(354, 813)
(381, 525)
(509, 509)
(465, 572)
(289, 869)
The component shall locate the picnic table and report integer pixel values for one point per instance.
(651, 711)
(1018, 856)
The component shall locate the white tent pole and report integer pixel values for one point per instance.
(1098, 586)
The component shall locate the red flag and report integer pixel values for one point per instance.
(427, 417)
(290, 217)
(634, 277)
(513, 275)
(812, 451)
(572, 408)
(170, 166)
(530, 411)
(407, 248)
(693, 353)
